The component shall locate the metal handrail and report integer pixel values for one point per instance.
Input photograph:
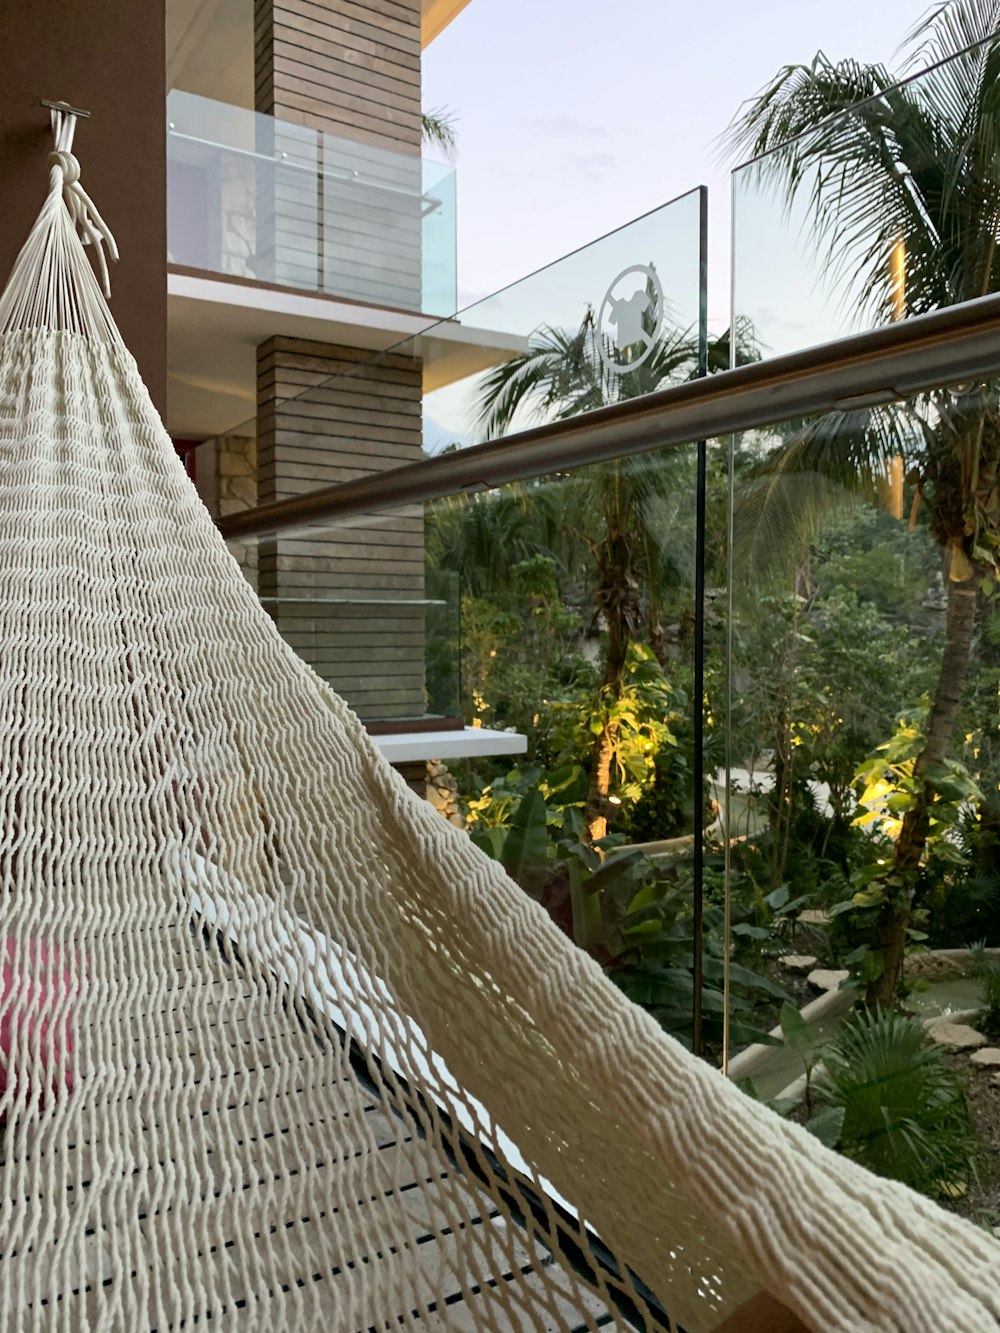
(863, 370)
(281, 159)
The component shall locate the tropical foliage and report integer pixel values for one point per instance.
(852, 663)
(902, 184)
(624, 510)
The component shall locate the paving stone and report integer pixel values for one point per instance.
(826, 978)
(798, 962)
(956, 1036)
(987, 1056)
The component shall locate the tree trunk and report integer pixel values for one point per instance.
(617, 601)
(890, 937)
(657, 635)
(595, 808)
(781, 799)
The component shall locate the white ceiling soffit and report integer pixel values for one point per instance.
(214, 328)
(210, 49)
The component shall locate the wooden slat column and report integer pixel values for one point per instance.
(341, 78)
(348, 600)
(348, 66)
(340, 210)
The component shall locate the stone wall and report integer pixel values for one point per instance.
(238, 220)
(432, 781)
(442, 792)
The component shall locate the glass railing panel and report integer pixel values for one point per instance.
(234, 178)
(443, 643)
(625, 316)
(885, 210)
(577, 633)
(439, 210)
(863, 743)
(260, 198)
(617, 319)
(373, 623)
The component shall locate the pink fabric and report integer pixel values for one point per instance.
(27, 1001)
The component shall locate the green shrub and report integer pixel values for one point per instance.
(904, 1110)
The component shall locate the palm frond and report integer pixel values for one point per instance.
(558, 370)
(437, 128)
(881, 165)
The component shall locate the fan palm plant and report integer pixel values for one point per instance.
(905, 172)
(622, 505)
(901, 1109)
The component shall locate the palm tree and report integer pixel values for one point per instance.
(905, 171)
(621, 506)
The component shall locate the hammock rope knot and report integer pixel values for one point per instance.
(68, 165)
(65, 180)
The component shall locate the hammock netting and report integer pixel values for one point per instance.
(279, 1048)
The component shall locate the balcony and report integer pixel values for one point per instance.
(267, 201)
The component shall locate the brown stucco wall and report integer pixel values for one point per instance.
(109, 58)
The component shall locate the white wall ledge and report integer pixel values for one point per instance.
(409, 747)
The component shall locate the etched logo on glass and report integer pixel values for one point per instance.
(630, 318)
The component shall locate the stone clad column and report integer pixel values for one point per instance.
(350, 67)
(226, 479)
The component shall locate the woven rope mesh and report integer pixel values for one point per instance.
(281, 1049)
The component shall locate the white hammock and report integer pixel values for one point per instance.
(274, 1027)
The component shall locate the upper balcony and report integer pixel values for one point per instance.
(264, 200)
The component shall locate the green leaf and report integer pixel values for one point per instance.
(527, 843)
(827, 1125)
(585, 906)
(869, 817)
(748, 1086)
(872, 966)
(873, 897)
(642, 930)
(744, 976)
(744, 1034)
(838, 909)
(749, 932)
(490, 841)
(794, 1028)
(782, 1105)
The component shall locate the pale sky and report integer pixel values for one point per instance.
(575, 116)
